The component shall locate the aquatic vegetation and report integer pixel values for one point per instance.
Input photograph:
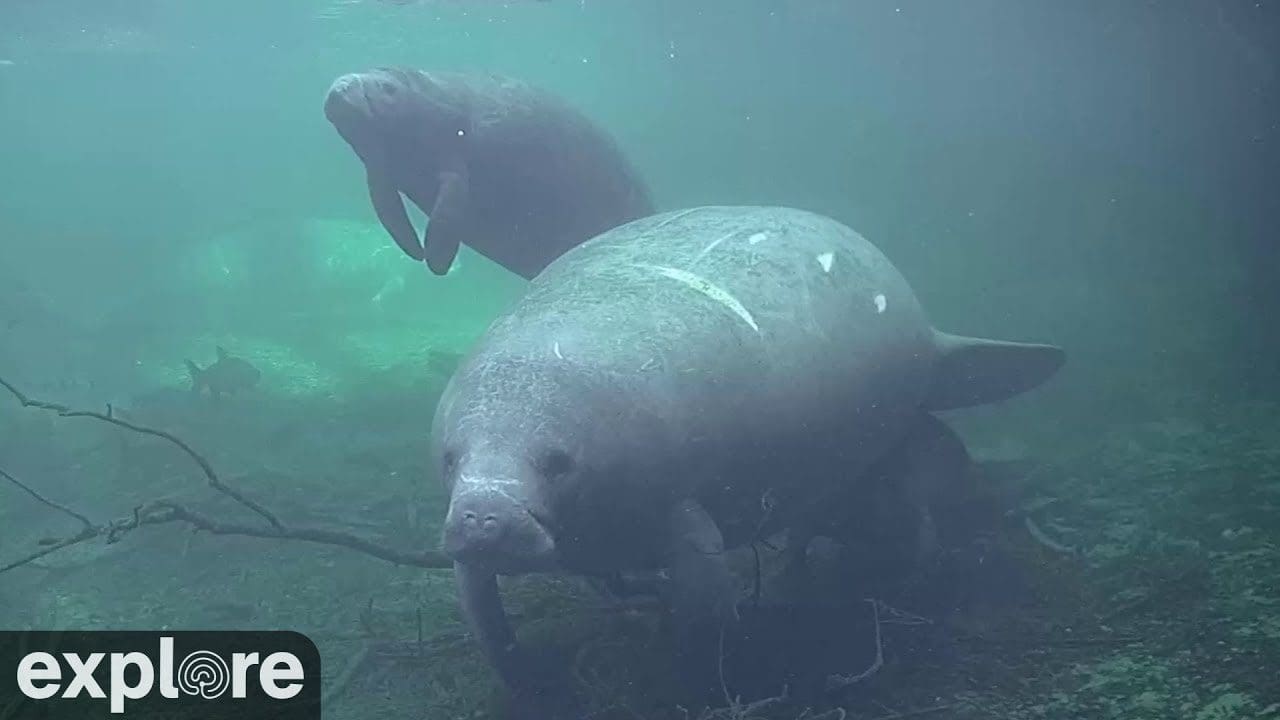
(1129, 686)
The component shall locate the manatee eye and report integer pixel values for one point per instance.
(555, 463)
(449, 462)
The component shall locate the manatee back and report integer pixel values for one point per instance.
(542, 166)
(729, 327)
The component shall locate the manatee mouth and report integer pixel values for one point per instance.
(492, 530)
(346, 100)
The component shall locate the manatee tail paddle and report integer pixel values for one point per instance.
(977, 371)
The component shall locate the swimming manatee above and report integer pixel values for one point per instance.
(685, 384)
(510, 170)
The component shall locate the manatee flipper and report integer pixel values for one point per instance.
(445, 228)
(389, 206)
(930, 461)
(797, 579)
(482, 608)
(536, 696)
(884, 521)
(702, 586)
(703, 601)
(975, 371)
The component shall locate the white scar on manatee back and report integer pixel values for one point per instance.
(706, 287)
(711, 247)
(699, 283)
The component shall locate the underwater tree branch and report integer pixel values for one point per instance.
(112, 531)
(342, 680)
(915, 713)
(84, 521)
(165, 511)
(737, 710)
(428, 559)
(110, 417)
(839, 682)
(1040, 536)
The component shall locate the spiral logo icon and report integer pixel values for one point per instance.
(205, 674)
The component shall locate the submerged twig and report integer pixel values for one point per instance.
(424, 559)
(838, 682)
(1043, 538)
(901, 617)
(343, 679)
(915, 713)
(84, 521)
(164, 511)
(207, 469)
(111, 530)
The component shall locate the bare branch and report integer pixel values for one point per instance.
(915, 713)
(1043, 538)
(83, 520)
(86, 534)
(110, 417)
(111, 531)
(838, 682)
(425, 559)
(164, 511)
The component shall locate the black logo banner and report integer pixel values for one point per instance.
(77, 675)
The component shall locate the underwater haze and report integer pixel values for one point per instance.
(188, 246)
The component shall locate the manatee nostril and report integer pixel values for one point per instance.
(343, 84)
(490, 521)
(469, 516)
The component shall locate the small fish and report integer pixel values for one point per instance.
(46, 542)
(227, 376)
(7, 63)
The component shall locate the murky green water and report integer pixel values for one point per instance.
(1099, 176)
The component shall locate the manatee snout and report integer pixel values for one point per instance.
(366, 96)
(489, 526)
(347, 101)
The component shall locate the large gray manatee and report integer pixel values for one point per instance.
(684, 384)
(510, 170)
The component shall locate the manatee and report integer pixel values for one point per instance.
(891, 523)
(510, 170)
(682, 385)
(226, 376)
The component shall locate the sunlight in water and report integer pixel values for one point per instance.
(344, 247)
(221, 264)
(935, 339)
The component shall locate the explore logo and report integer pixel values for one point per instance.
(240, 675)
